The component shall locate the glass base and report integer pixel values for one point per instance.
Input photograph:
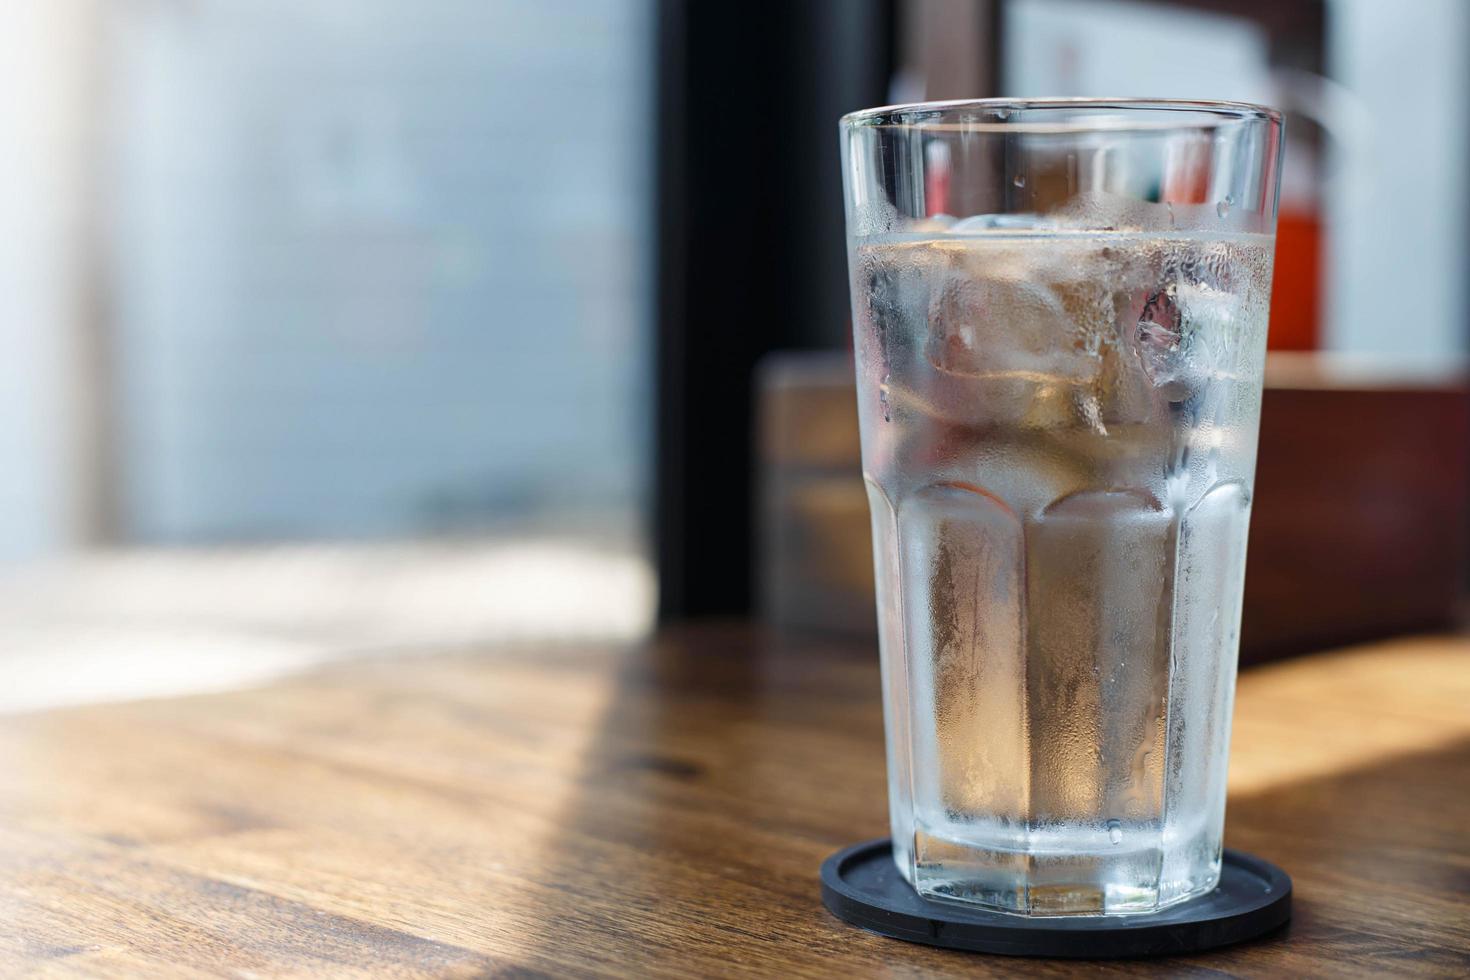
(860, 885)
(1058, 880)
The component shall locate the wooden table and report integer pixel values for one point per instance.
(661, 811)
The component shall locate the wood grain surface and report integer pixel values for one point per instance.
(653, 812)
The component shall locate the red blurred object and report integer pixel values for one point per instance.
(1296, 285)
(1187, 178)
(936, 179)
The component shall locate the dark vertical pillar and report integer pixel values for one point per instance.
(751, 258)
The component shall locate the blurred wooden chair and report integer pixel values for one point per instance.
(1358, 529)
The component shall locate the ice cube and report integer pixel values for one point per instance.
(1186, 332)
(930, 225)
(1101, 211)
(1023, 221)
(983, 324)
(1160, 336)
(1034, 336)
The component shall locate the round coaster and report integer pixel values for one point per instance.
(861, 885)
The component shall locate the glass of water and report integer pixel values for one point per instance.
(1059, 310)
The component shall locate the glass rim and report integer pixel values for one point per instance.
(1141, 114)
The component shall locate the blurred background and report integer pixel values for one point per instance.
(358, 327)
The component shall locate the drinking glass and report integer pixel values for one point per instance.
(1059, 316)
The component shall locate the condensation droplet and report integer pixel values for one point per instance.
(1115, 831)
(1223, 207)
(1019, 180)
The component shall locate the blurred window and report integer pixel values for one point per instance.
(376, 268)
(328, 327)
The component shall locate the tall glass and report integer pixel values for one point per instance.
(1059, 311)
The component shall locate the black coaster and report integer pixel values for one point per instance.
(861, 885)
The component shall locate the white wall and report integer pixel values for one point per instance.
(1397, 205)
(379, 265)
(1124, 48)
(44, 68)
